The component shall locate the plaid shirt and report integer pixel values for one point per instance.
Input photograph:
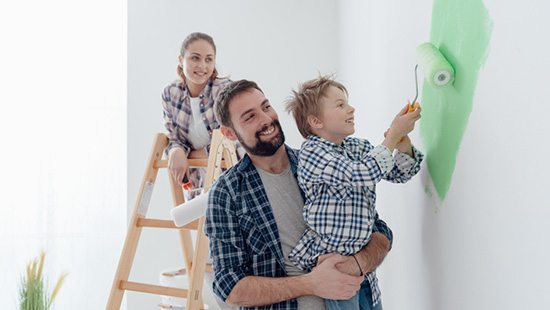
(243, 234)
(177, 116)
(177, 111)
(339, 184)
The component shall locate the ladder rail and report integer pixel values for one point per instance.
(194, 257)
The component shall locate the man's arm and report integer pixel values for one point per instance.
(325, 281)
(372, 255)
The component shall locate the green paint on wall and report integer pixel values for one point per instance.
(461, 29)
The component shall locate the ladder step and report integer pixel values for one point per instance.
(153, 289)
(156, 223)
(193, 162)
(207, 269)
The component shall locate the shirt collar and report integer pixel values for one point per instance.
(204, 93)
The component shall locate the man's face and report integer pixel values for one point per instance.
(256, 124)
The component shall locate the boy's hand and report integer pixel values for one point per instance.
(404, 144)
(402, 124)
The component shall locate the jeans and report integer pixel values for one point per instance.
(361, 301)
(365, 298)
(342, 304)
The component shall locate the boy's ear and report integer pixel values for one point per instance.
(314, 122)
(228, 133)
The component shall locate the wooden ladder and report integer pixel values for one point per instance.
(195, 259)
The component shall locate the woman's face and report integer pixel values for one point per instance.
(198, 64)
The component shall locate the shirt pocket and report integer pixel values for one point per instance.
(338, 193)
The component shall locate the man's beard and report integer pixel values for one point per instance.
(265, 148)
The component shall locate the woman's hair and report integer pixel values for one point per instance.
(307, 101)
(195, 36)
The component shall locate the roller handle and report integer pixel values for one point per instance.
(411, 108)
(187, 185)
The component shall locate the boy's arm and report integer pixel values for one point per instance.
(320, 164)
(406, 166)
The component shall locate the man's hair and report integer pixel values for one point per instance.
(307, 101)
(221, 106)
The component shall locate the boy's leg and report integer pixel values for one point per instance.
(350, 304)
(365, 297)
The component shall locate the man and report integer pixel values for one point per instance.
(254, 219)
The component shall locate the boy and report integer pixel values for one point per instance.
(338, 175)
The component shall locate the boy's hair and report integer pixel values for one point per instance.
(221, 105)
(307, 101)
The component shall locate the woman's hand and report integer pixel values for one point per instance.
(178, 164)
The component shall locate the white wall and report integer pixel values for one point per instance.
(486, 247)
(275, 43)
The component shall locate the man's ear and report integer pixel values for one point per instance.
(228, 133)
(314, 122)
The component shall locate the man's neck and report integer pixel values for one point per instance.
(275, 163)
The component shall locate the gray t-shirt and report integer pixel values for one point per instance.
(286, 202)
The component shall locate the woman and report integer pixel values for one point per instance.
(188, 107)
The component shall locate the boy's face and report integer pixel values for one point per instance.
(337, 116)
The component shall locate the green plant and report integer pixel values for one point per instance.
(32, 293)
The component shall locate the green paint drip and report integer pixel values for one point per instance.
(461, 30)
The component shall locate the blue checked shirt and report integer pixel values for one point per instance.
(240, 224)
(339, 183)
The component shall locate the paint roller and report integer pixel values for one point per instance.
(189, 211)
(436, 69)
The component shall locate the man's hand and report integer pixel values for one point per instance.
(370, 257)
(347, 266)
(328, 282)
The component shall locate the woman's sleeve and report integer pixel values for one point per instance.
(170, 123)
